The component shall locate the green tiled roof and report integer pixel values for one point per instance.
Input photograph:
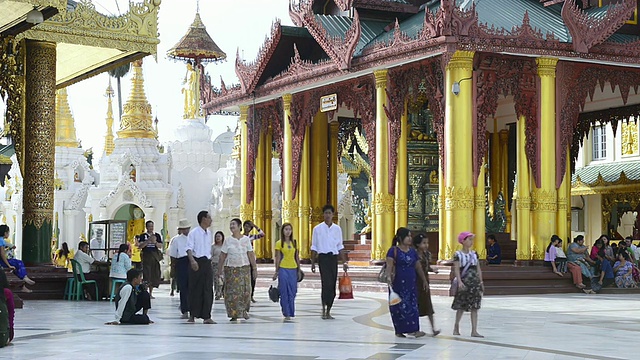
(339, 25)
(610, 172)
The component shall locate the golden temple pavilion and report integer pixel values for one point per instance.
(471, 111)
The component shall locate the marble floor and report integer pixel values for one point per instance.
(568, 326)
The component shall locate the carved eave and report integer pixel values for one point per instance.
(89, 42)
(587, 31)
(13, 15)
(339, 49)
(601, 186)
(250, 73)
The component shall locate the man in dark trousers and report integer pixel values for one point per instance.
(326, 246)
(180, 264)
(200, 274)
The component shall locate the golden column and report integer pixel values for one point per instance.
(544, 200)
(564, 203)
(523, 199)
(445, 251)
(268, 213)
(246, 207)
(383, 200)
(504, 175)
(567, 183)
(459, 192)
(108, 139)
(304, 212)
(402, 170)
(319, 174)
(479, 215)
(289, 204)
(258, 193)
(496, 165)
(65, 127)
(39, 151)
(334, 127)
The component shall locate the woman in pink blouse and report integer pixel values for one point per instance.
(551, 254)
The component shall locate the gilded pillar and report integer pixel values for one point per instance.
(289, 205)
(334, 127)
(402, 171)
(258, 194)
(458, 131)
(479, 215)
(383, 200)
(304, 212)
(567, 183)
(268, 213)
(445, 250)
(319, 174)
(564, 202)
(246, 208)
(544, 199)
(495, 165)
(39, 151)
(523, 197)
(504, 175)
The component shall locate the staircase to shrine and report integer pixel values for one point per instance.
(504, 279)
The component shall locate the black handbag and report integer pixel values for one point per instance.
(274, 293)
(300, 275)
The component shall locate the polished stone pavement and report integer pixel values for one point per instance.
(567, 326)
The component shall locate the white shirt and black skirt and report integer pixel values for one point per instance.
(327, 242)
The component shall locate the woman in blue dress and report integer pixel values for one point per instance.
(402, 268)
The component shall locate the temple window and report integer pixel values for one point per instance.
(599, 142)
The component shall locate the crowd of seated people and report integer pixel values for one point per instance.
(603, 265)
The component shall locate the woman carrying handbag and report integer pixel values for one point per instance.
(403, 268)
(287, 268)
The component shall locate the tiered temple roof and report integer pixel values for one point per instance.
(359, 35)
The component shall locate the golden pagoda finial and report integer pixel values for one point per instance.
(108, 139)
(65, 126)
(136, 121)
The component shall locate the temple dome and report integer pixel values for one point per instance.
(223, 144)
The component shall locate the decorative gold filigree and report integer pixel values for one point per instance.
(458, 198)
(40, 130)
(461, 60)
(402, 205)
(383, 203)
(546, 66)
(289, 210)
(381, 78)
(12, 91)
(246, 211)
(544, 200)
(136, 30)
(562, 204)
(629, 141)
(61, 5)
(611, 200)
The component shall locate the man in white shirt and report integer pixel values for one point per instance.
(326, 246)
(85, 261)
(180, 264)
(200, 274)
(97, 245)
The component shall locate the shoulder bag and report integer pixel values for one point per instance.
(382, 275)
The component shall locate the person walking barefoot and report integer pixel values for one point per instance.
(425, 306)
(470, 286)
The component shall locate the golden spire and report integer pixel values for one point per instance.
(136, 121)
(65, 127)
(108, 139)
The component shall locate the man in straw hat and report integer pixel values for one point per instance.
(180, 264)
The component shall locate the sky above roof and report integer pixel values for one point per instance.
(234, 24)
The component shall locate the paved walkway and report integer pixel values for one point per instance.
(568, 326)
